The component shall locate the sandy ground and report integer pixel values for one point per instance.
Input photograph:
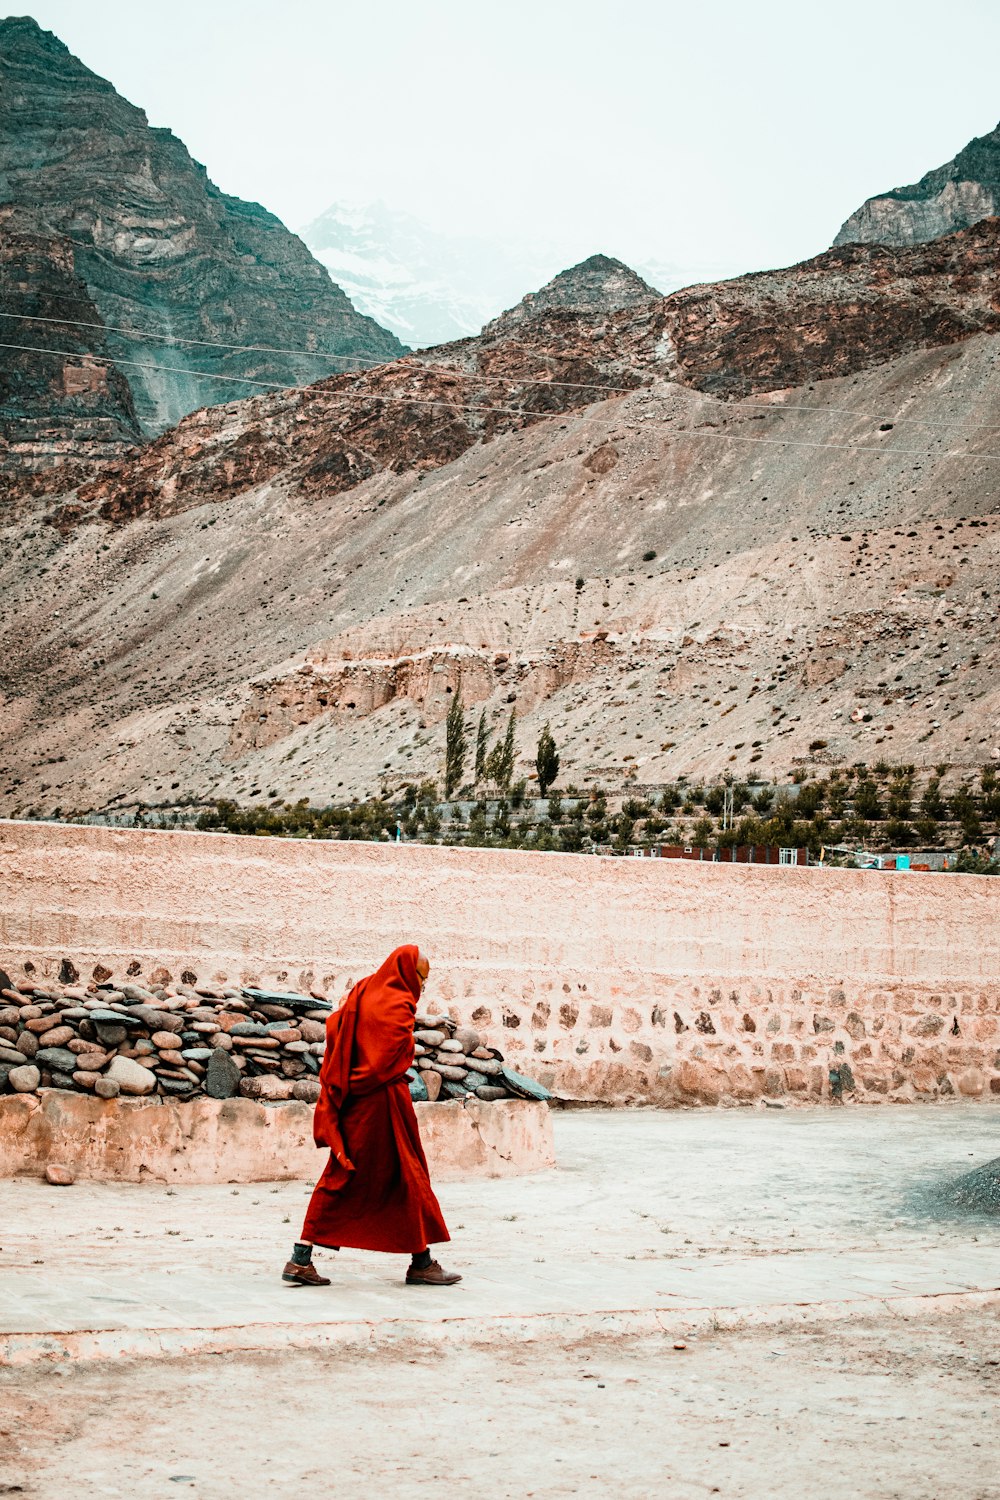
(901, 1410)
(710, 1217)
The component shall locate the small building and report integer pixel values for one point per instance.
(736, 854)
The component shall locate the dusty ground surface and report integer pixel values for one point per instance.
(873, 1409)
(652, 1218)
(728, 1228)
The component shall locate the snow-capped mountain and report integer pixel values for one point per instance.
(430, 288)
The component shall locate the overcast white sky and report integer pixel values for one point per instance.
(726, 135)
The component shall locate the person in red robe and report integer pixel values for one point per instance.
(375, 1192)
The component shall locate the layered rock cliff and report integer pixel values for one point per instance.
(849, 309)
(162, 251)
(61, 400)
(963, 191)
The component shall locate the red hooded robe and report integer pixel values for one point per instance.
(375, 1193)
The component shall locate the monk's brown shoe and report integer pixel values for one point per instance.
(432, 1275)
(304, 1275)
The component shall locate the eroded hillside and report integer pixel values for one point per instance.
(825, 569)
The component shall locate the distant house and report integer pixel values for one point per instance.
(736, 854)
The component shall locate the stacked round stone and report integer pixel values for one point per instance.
(453, 1061)
(177, 1040)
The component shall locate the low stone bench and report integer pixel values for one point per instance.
(239, 1140)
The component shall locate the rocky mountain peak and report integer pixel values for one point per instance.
(600, 284)
(600, 281)
(952, 197)
(25, 32)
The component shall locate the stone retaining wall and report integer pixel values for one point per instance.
(626, 981)
(237, 1140)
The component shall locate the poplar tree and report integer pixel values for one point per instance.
(546, 760)
(482, 747)
(505, 760)
(454, 745)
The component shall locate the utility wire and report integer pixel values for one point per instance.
(511, 411)
(755, 403)
(170, 338)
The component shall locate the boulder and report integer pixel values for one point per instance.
(222, 1076)
(24, 1080)
(110, 1034)
(306, 1089)
(488, 1065)
(525, 1088)
(92, 1062)
(312, 1031)
(58, 1036)
(107, 1088)
(137, 992)
(418, 1088)
(158, 1020)
(132, 1077)
(59, 1059)
(267, 1088)
(273, 1012)
(294, 1002)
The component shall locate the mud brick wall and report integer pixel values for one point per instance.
(627, 981)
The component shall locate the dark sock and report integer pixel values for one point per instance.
(421, 1260)
(301, 1254)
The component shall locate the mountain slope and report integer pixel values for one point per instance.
(955, 196)
(160, 249)
(595, 329)
(678, 582)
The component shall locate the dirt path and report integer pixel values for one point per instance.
(874, 1409)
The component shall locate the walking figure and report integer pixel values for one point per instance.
(375, 1193)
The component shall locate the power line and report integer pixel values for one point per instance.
(583, 385)
(512, 411)
(170, 338)
(755, 403)
(268, 385)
